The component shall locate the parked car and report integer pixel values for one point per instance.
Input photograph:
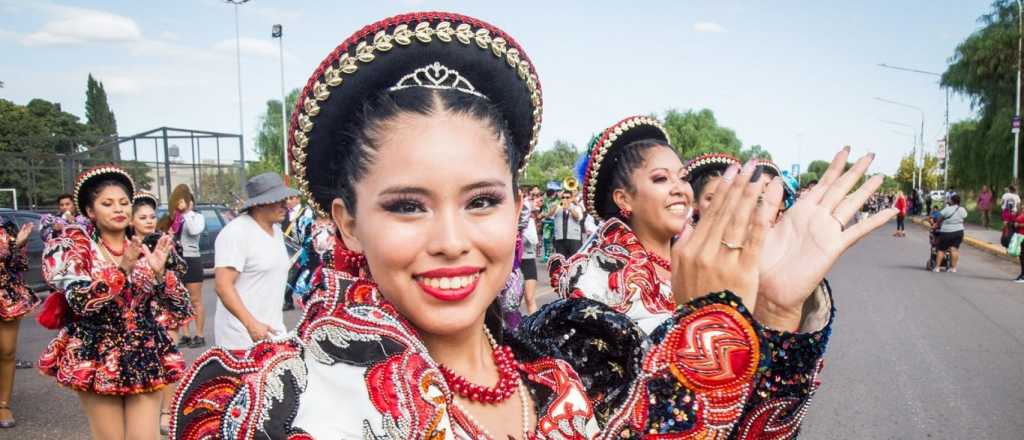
(216, 216)
(34, 275)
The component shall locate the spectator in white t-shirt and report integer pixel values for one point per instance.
(252, 267)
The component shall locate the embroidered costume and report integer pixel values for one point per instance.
(112, 342)
(16, 299)
(314, 245)
(47, 221)
(168, 318)
(355, 368)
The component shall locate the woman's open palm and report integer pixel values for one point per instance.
(806, 241)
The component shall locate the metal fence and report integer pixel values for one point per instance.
(211, 163)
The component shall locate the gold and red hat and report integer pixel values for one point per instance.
(605, 150)
(768, 167)
(704, 164)
(88, 179)
(437, 50)
(143, 195)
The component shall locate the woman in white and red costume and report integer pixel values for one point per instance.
(411, 134)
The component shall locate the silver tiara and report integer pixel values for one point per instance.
(436, 76)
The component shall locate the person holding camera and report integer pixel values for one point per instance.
(568, 221)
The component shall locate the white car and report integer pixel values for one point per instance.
(937, 195)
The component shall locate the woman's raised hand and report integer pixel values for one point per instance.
(723, 252)
(23, 234)
(157, 259)
(806, 242)
(132, 250)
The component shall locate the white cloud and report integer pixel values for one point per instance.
(78, 25)
(278, 15)
(708, 26)
(249, 47)
(122, 86)
(168, 35)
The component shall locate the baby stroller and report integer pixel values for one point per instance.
(933, 239)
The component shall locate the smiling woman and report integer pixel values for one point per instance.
(110, 292)
(411, 134)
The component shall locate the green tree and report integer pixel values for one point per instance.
(555, 163)
(31, 136)
(97, 112)
(984, 68)
(818, 167)
(696, 132)
(218, 186)
(930, 175)
(807, 178)
(268, 141)
(754, 151)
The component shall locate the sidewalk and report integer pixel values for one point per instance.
(976, 236)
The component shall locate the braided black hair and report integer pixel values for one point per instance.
(623, 163)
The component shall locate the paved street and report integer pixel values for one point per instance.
(914, 355)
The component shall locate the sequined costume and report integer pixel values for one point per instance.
(113, 344)
(354, 368)
(170, 318)
(46, 222)
(613, 268)
(16, 299)
(317, 246)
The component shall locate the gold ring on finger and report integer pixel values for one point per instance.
(732, 247)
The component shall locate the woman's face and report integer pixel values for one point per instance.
(438, 236)
(182, 204)
(707, 194)
(144, 220)
(111, 210)
(662, 200)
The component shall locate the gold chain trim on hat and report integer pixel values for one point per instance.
(402, 36)
(103, 169)
(602, 150)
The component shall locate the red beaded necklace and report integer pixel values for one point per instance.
(508, 379)
(660, 261)
(111, 250)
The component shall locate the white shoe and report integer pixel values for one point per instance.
(953, 270)
(936, 270)
(1019, 280)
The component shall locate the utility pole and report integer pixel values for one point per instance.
(278, 32)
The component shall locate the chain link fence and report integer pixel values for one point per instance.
(212, 164)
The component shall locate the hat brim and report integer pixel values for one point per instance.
(376, 59)
(270, 197)
(90, 178)
(597, 179)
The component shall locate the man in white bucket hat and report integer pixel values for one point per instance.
(252, 266)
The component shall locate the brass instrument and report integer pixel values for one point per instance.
(570, 184)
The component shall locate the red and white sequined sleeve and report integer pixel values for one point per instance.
(713, 372)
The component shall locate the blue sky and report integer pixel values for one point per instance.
(799, 78)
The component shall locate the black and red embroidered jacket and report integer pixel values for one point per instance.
(354, 368)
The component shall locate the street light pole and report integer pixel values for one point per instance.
(913, 136)
(920, 136)
(948, 146)
(238, 65)
(278, 32)
(1016, 114)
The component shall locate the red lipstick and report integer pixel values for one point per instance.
(450, 294)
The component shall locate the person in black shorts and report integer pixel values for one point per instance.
(951, 233)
